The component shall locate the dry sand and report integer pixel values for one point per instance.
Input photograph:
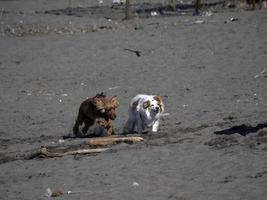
(212, 77)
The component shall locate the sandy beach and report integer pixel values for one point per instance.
(210, 70)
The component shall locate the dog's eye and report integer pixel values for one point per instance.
(102, 110)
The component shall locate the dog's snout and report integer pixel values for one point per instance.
(157, 108)
(113, 116)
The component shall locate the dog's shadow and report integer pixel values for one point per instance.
(98, 131)
(94, 131)
(135, 133)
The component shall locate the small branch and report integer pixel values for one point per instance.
(127, 9)
(138, 53)
(45, 153)
(197, 6)
(104, 141)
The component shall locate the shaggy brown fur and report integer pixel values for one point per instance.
(98, 107)
(107, 125)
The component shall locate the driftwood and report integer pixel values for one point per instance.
(104, 141)
(138, 53)
(45, 153)
(127, 9)
(57, 193)
(172, 6)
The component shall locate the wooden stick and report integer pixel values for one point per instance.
(197, 6)
(44, 152)
(69, 3)
(104, 141)
(260, 4)
(127, 9)
(253, 4)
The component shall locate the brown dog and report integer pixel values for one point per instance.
(107, 125)
(98, 108)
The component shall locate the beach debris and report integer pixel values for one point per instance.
(262, 72)
(113, 88)
(242, 129)
(232, 19)
(61, 141)
(21, 30)
(197, 7)
(48, 93)
(176, 196)
(206, 13)
(2, 12)
(109, 19)
(138, 27)
(119, 2)
(104, 141)
(43, 152)
(27, 92)
(190, 23)
(138, 53)
(49, 193)
(115, 1)
(199, 22)
(135, 184)
(153, 13)
(165, 114)
(105, 27)
(57, 193)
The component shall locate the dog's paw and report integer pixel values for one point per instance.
(154, 129)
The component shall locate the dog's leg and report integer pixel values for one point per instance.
(126, 128)
(87, 123)
(129, 126)
(110, 128)
(78, 122)
(155, 126)
(75, 128)
(140, 125)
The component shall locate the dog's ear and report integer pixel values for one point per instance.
(157, 98)
(99, 104)
(146, 104)
(135, 104)
(114, 101)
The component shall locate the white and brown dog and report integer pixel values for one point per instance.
(144, 111)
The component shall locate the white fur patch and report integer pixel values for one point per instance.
(142, 117)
